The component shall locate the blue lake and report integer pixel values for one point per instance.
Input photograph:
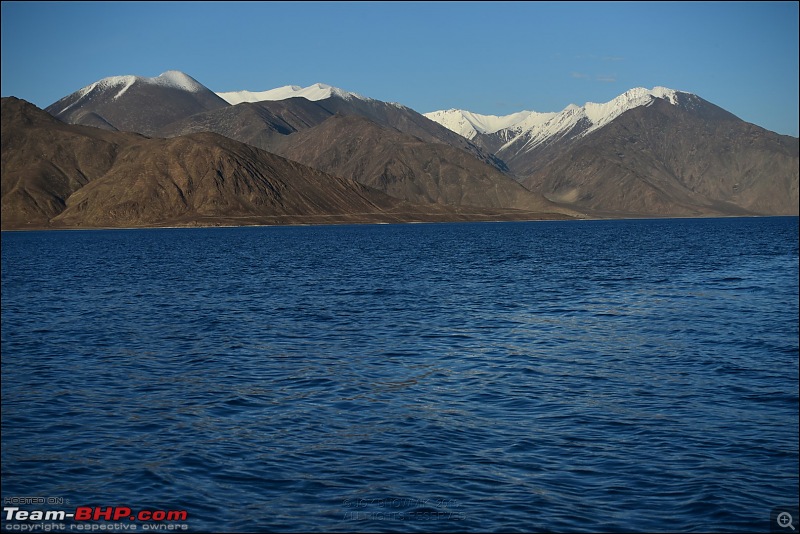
(637, 375)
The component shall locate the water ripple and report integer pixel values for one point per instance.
(516, 377)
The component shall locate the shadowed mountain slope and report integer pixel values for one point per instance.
(408, 168)
(206, 176)
(56, 175)
(262, 124)
(666, 160)
(135, 103)
(44, 161)
(408, 121)
(259, 124)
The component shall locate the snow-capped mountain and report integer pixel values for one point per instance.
(136, 103)
(317, 91)
(537, 128)
(172, 78)
(470, 124)
(526, 140)
(655, 151)
(648, 152)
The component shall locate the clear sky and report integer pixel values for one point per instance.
(492, 58)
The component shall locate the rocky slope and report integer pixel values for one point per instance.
(647, 152)
(406, 167)
(56, 175)
(667, 161)
(43, 161)
(655, 152)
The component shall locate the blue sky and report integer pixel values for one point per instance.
(487, 57)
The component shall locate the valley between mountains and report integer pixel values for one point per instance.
(130, 151)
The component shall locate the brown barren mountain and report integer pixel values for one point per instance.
(56, 175)
(206, 176)
(666, 160)
(406, 167)
(255, 124)
(410, 122)
(60, 175)
(44, 161)
(264, 124)
(175, 104)
(673, 155)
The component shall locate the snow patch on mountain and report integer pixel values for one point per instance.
(602, 114)
(317, 91)
(537, 128)
(469, 124)
(177, 80)
(172, 78)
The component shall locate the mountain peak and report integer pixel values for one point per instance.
(136, 103)
(177, 80)
(602, 114)
(314, 92)
(171, 78)
(640, 93)
(468, 124)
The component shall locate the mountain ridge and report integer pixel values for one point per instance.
(537, 128)
(551, 154)
(314, 92)
(662, 159)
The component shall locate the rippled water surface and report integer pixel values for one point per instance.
(543, 376)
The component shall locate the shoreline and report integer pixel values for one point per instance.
(356, 221)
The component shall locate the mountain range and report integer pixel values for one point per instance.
(657, 152)
(136, 151)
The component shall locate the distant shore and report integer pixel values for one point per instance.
(367, 219)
